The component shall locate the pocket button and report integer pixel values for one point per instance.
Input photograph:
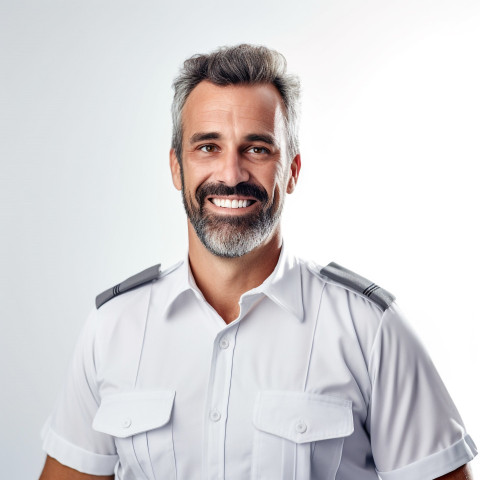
(126, 423)
(301, 427)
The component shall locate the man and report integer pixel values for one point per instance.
(244, 361)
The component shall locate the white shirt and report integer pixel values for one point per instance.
(311, 381)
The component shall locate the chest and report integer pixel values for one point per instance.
(191, 397)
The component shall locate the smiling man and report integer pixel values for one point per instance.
(244, 361)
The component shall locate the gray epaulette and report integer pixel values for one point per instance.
(359, 284)
(145, 276)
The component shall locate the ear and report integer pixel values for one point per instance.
(294, 172)
(175, 169)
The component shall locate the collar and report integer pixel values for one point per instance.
(182, 282)
(283, 286)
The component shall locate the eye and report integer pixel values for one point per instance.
(208, 148)
(258, 150)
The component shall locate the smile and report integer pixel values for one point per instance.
(227, 203)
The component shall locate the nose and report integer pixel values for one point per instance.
(232, 169)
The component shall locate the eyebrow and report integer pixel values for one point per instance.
(203, 136)
(265, 138)
(252, 137)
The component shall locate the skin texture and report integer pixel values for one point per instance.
(54, 470)
(233, 114)
(462, 473)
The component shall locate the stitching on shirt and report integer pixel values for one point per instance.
(150, 457)
(173, 451)
(369, 365)
(365, 395)
(374, 344)
(229, 392)
(135, 452)
(144, 335)
(96, 359)
(313, 339)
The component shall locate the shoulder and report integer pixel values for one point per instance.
(352, 305)
(134, 285)
(343, 279)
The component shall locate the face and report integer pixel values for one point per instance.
(235, 169)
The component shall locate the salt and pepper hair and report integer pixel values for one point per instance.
(238, 65)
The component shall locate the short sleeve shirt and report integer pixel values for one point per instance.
(311, 381)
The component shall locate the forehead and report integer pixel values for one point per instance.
(212, 107)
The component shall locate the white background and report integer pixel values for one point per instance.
(389, 185)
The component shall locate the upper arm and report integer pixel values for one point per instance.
(462, 473)
(54, 470)
(415, 428)
(68, 434)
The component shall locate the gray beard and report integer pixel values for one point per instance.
(232, 236)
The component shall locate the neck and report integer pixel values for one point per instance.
(223, 280)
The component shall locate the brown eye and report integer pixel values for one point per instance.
(208, 148)
(258, 150)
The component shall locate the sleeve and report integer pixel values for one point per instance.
(68, 435)
(415, 430)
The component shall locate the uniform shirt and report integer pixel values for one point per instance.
(311, 381)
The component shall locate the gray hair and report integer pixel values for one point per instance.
(241, 64)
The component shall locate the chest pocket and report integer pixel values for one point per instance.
(141, 424)
(293, 429)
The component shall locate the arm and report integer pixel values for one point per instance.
(54, 470)
(462, 473)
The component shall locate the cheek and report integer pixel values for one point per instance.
(194, 177)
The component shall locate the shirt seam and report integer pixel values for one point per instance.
(374, 345)
(371, 377)
(313, 339)
(143, 337)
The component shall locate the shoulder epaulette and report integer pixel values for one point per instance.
(359, 284)
(145, 276)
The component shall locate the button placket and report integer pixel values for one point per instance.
(224, 343)
(218, 396)
(215, 415)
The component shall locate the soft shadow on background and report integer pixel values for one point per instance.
(388, 188)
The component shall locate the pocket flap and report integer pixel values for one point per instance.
(126, 414)
(303, 417)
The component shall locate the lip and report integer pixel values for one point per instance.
(231, 197)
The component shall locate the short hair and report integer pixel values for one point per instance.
(238, 65)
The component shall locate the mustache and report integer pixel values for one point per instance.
(242, 189)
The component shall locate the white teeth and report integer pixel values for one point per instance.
(226, 203)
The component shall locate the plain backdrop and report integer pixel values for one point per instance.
(389, 185)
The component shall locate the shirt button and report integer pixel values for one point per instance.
(126, 422)
(224, 343)
(301, 427)
(215, 415)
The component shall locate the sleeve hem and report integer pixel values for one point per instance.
(437, 464)
(76, 457)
